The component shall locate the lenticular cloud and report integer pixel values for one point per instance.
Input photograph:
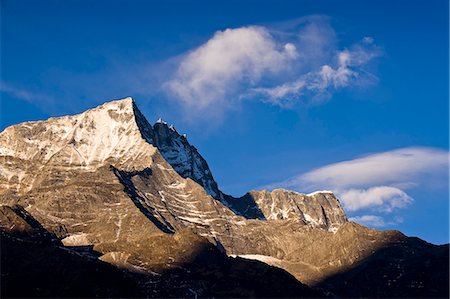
(379, 181)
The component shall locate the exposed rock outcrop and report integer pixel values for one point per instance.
(184, 158)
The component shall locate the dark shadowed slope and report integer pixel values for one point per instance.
(411, 268)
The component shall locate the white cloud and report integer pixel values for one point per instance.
(207, 75)
(283, 94)
(278, 67)
(320, 83)
(378, 181)
(403, 166)
(374, 221)
(317, 40)
(385, 198)
(22, 94)
(291, 50)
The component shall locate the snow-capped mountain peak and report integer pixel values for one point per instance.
(116, 133)
(111, 131)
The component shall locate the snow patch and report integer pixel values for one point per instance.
(80, 239)
(88, 139)
(333, 229)
(320, 192)
(310, 219)
(258, 257)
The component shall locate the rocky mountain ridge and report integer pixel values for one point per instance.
(278, 204)
(141, 198)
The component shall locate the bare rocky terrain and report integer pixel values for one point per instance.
(132, 210)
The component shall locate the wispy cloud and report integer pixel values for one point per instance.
(319, 84)
(375, 221)
(403, 168)
(280, 67)
(285, 65)
(378, 182)
(23, 94)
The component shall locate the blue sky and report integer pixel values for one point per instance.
(350, 96)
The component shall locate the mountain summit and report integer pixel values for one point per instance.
(113, 133)
(108, 188)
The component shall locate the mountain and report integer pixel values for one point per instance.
(106, 190)
(324, 207)
(183, 157)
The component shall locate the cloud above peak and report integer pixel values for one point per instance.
(401, 167)
(378, 182)
(385, 198)
(210, 73)
(255, 62)
(344, 70)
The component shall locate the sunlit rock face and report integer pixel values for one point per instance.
(109, 134)
(144, 199)
(319, 209)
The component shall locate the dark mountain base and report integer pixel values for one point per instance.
(32, 269)
(49, 270)
(412, 268)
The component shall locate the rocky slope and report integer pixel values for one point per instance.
(41, 266)
(141, 198)
(278, 204)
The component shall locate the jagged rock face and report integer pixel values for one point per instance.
(96, 178)
(184, 158)
(320, 209)
(60, 171)
(78, 176)
(145, 199)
